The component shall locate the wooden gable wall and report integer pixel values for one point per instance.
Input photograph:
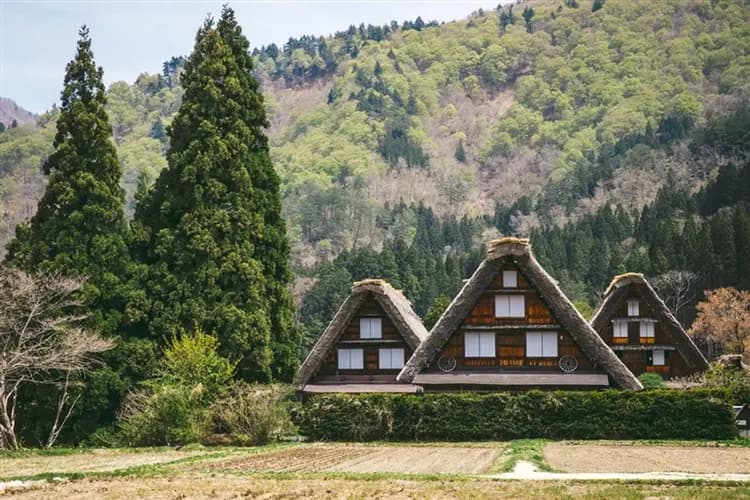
(351, 339)
(510, 333)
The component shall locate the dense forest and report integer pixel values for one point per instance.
(614, 134)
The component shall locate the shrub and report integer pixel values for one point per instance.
(252, 414)
(651, 381)
(657, 414)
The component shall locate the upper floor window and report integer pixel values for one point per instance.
(647, 329)
(351, 359)
(541, 344)
(391, 359)
(510, 306)
(370, 328)
(510, 278)
(479, 344)
(620, 329)
(632, 308)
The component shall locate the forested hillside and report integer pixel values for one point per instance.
(594, 127)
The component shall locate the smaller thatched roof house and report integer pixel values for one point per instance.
(634, 321)
(511, 327)
(366, 343)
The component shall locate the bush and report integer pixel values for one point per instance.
(657, 414)
(651, 381)
(252, 414)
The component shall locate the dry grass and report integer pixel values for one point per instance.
(197, 487)
(569, 457)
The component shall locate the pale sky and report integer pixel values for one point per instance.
(38, 37)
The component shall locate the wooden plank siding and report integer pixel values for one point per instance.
(510, 333)
(350, 339)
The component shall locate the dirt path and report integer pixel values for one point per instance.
(605, 458)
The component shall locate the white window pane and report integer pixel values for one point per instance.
(364, 328)
(510, 279)
(502, 306)
(344, 359)
(533, 345)
(647, 329)
(384, 359)
(487, 345)
(517, 306)
(357, 358)
(658, 358)
(397, 358)
(632, 308)
(376, 328)
(549, 345)
(620, 328)
(471, 345)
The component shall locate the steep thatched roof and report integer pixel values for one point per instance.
(620, 288)
(570, 319)
(393, 302)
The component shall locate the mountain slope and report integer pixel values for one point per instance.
(10, 112)
(557, 115)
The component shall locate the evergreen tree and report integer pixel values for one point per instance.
(2, 127)
(14, 123)
(460, 152)
(79, 227)
(598, 4)
(211, 230)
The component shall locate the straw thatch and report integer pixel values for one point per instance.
(621, 287)
(520, 251)
(396, 306)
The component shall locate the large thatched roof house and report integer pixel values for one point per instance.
(511, 327)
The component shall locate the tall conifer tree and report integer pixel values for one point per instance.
(80, 227)
(211, 231)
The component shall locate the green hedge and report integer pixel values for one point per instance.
(657, 414)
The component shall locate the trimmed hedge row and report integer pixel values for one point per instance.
(658, 414)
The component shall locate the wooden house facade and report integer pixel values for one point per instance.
(634, 321)
(512, 328)
(366, 343)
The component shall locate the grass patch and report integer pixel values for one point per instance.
(530, 450)
(733, 443)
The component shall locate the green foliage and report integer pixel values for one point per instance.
(253, 414)
(192, 359)
(658, 414)
(651, 381)
(737, 382)
(439, 305)
(210, 233)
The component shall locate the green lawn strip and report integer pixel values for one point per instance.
(530, 450)
(734, 443)
(442, 444)
(56, 452)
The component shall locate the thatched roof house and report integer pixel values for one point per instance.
(639, 326)
(511, 326)
(366, 343)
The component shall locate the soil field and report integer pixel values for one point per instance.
(365, 459)
(647, 458)
(88, 461)
(218, 486)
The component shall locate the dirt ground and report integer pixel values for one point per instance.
(90, 461)
(647, 458)
(357, 458)
(217, 486)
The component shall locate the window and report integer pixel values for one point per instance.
(632, 308)
(620, 328)
(479, 344)
(370, 328)
(351, 359)
(647, 329)
(510, 279)
(391, 359)
(541, 344)
(510, 306)
(658, 357)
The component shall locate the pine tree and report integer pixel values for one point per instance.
(79, 227)
(460, 151)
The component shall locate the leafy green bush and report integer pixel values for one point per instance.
(651, 381)
(252, 414)
(657, 414)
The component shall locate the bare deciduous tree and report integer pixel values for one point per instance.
(677, 288)
(41, 342)
(725, 317)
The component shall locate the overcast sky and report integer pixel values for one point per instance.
(37, 38)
